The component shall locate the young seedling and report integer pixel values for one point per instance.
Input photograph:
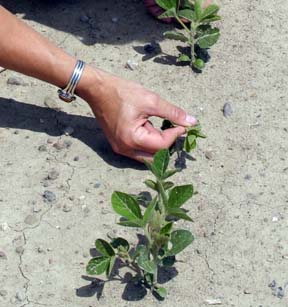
(199, 35)
(157, 223)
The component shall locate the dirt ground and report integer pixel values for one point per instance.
(240, 171)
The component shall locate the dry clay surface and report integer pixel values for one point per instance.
(58, 172)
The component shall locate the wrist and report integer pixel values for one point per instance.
(90, 84)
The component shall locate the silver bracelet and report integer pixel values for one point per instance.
(67, 94)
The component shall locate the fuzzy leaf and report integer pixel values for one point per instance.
(168, 185)
(175, 35)
(168, 14)
(198, 9)
(211, 19)
(126, 206)
(179, 195)
(165, 230)
(110, 266)
(104, 248)
(199, 64)
(97, 265)
(161, 161)
(162, 292)
(167, 4)
(180, 239)
(210, 10)
(187, 14)
(142, 256)
(208, 38)
(183, 58)
(151, 184)
(170, 173)
(119, 243)
(179, 213)
(131, 223)
(149, 211)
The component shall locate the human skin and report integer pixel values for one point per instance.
(121, 107)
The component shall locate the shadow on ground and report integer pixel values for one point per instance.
(19, 115)
(114, 22)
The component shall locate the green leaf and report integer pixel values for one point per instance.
(170, 173)
(183, 58)
(198, 9)
(211, 19)
(149, 211)
(180, 239)
(151, 167)
(142, 256)
(175, 35)
(187, 14)
(151, 184)
(186, 4)
(119, 243)
(179, 195)
(126, 206)
(131, 223)
(97, 265)
(168, 185)
(104, 248)
(110, 266)
(208, 38)
(161, 161)
(199, 64)
(167, 4)
(165, 230)
(179, 213)
(210, 10)
(162, 292)
(168, 14)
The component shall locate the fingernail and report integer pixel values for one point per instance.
(191, 120)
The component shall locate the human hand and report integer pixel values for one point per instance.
(123, 108)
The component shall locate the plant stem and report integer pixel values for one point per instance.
(192, 40)
(163, 200)
(182, 23)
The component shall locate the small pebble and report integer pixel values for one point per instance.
(247, 177)
(49, 197)
(216, 301)
(40, 250)
(115, 19)
(62, 144)
(3, 293)
(280, 292)
(104, 211)
(31, 219)
(19, 250)
(247, 291)
(20, 296)
(131, 64)
(97, 185)
(3, 256)
(84, 18)
(42, 148)
(52, 175)
(275, 219)
(4, 226)
(51, 104)
(76, 158)
(16, 81)
(272, 285)
(81, 197)
(227, 110)
(68, 130)
(208, 154)
(67, 208)
(85, 255)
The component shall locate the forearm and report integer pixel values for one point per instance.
(24, 50)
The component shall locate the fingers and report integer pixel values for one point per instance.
(151, 140)
(175, 114)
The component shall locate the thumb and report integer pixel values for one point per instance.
(178, 116)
